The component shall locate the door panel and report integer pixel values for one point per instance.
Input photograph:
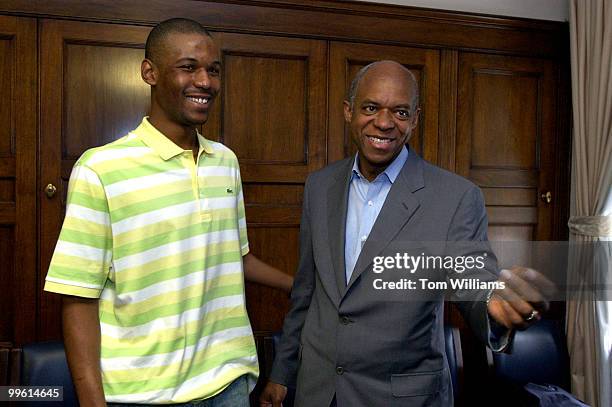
(506, 140)
(18, 179)
(272, 115)
(92, 94)
(345, 61)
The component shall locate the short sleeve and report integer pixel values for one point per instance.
(82, 258)
(242, 225)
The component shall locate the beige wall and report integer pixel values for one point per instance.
(556, 10)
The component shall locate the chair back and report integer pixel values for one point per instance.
(44, 364)
(538, 355)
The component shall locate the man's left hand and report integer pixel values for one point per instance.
(523, 300)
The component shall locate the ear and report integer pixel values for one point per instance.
(148, 72)
(415, 118)
(348, 112)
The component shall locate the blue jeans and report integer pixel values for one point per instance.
(235, 395)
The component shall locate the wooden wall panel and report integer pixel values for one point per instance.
(7, 75)
(325, 19)
(7, 273)
(272, 107)
(256, 89)
(345, 61)
(17, 178)
(510, 101)
(103, 94)
(278, 246)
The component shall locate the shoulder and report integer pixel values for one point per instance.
(223, 152)
(445, 182)
(114, 153)
(330, 173)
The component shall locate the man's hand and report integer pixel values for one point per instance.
(272, 395)
(523, 300)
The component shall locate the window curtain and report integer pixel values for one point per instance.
(589, 309)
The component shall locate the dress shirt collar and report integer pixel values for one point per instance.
(391, 172)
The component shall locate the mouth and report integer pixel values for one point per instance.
(379, 140)
(200, 100)
(380, 143)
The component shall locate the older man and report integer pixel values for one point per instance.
(349, 339)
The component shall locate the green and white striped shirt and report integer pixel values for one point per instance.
(159, 239)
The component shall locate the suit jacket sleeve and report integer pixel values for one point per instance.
(467, 236)
(284, 368)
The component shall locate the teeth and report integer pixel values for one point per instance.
(379, 140)
(198, 100)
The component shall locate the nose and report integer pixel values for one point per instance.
(202, 80)
(384, 120)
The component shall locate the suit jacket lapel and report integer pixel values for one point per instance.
(399, 207)
(337, 202)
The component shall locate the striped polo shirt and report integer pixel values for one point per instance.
(159, 238)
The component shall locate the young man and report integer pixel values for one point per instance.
(151, 255)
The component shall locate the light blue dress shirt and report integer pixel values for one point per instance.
(365, 200)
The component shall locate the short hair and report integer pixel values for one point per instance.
(352, 91)
(159, 34)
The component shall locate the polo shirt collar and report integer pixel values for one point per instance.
(162, 145)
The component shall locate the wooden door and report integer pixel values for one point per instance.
(347, 58)
(91, 94)
(17, 180)
(271, 113)
(506, 140)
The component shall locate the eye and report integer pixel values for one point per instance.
(214, 71)
(369, 108)
(188, 67)
(403, 114)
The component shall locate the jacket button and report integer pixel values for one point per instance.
(345, 320)
(339, 370)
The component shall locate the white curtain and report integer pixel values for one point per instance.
(589, 316)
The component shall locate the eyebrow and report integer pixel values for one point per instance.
(372, 102)
(189, 59)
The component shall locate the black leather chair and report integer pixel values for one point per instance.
(537, 355)
(44, 364)
(452, 343)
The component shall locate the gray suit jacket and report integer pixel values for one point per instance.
(378, 347)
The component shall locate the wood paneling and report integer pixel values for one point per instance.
(278, 246)
(256, 88)
(512, 101)
(7, 82)
(447, 116)
(337, 20)
(7, 271)
(347, 58)
(18, 178)
(104, 96)
(272, 114)
(273, 105)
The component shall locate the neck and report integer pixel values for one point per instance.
(183, 136)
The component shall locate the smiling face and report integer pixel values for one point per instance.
(185, 79)
(382, 116)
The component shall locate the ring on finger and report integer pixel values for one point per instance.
(532, 316)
